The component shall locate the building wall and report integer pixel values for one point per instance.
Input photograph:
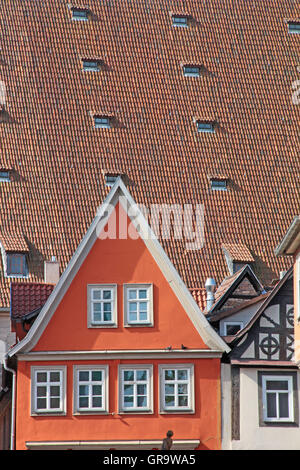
(7, 338)
(252, 436)
(204, 424)
(297, 303)
(244, 316)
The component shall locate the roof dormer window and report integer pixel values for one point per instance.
(102, 122)
(4, 176)
(218, 184)
(191, 70)
(206, 126)
(91, 65)
(180, 21)
(294, 27)
(110, 179)
(16, 264)
(80, 14)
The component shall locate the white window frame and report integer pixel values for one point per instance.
(190, 408)
(102, 324)
(136, 367)
(127, 301)
(34, 384)
(234, 323)
(104, 383)
(274, 378)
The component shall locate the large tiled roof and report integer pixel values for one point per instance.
(59, 159)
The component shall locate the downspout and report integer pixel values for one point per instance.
(13, 407)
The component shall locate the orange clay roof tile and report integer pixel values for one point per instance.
(48, 137)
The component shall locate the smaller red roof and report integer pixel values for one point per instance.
(27, 297)
(14, 241)
(238, 252)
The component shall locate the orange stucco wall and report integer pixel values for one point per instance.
(204, 424)
(119, 262)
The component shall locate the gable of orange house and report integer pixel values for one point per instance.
(119, 261)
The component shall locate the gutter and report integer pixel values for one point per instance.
(13, 408)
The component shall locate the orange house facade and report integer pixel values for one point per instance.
(120, 353)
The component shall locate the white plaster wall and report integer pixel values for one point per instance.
(226, 405)
(7, 338)
(252, 436)
(244, 315)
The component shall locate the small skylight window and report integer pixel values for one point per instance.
(110, 179)
(205, 126)
(80, 14)
(102, 122)
(180, 20)
(294, 27)
(90, 65)
(191, 70)
(218, 184)
(4, 176)
(16, 265)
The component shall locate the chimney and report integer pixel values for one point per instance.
(51, 271)
(210, 287)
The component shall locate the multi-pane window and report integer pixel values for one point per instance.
(135, 390)
(191, 71)
(90, 389)
(102, 304)
(102, 122)
(203, 126)
(16, 264)
(181, 21)
(277, 393)
(138, 304)
(4, 176)
(48, 390)
(294, 27)
(176, 388)
(89, 65)
(218, 184)
(80, 14)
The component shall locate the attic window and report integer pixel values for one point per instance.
(205, 126)
(103, 122)
(110, 179)
(16, 264)
(218, 184)
(90, 65)
(294, 27)
(191, 70)
(80, 14)
(4, 175)
(180, 21)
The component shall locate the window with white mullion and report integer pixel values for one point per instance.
(48, 390)
(90, 390)
(102, 305)
(135, 389)
(278, 398)
(138, 305)
(176, 388)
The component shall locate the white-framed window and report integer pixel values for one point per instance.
(102, 305)
(48, 389)
(176, 388)
(231, 328)
(277, 397)
(180, 21)
(90, 389)
(136, 388)
(138, 304)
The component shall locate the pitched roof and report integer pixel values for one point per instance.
(27, 297)
(200, 297)
(120, 194)
(48, 137)
(13, 241)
